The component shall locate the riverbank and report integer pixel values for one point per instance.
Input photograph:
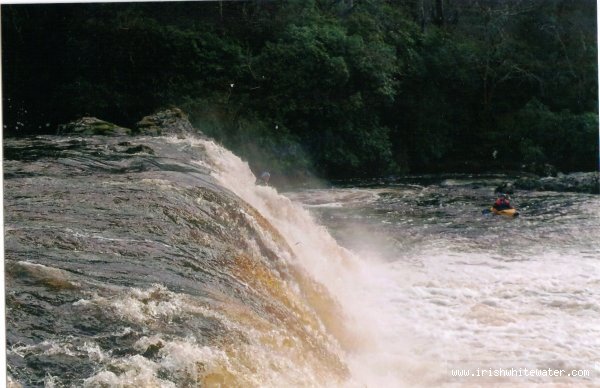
(577, 182)
(174, 121)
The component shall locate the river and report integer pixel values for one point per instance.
(466, 291)
(159, 262)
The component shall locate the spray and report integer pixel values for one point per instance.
(360, 284)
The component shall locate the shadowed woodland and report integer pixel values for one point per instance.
(340, 88)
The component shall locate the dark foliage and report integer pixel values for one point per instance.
(346, 88)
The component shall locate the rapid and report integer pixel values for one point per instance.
(157, 261)
(475, 292)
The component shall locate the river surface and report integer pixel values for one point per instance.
(158, 262)
(469, 291)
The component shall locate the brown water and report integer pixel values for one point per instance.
(140, 269)
(159, 262)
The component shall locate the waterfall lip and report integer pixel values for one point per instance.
(114, 222)
(184, 262)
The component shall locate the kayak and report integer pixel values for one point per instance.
(505, 212)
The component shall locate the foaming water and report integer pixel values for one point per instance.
(479, 292)
(170, 267)
(359, 283)
(140, 269)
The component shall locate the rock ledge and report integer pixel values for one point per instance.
(166, 122)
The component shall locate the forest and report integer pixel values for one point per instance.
(336, 88)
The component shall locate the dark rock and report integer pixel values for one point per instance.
(139, 149)
(91, 126)
(130, 148)
(581, 182)
(167, 122)
(153, 350)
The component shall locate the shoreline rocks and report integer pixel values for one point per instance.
(172, 121)
(579, 182)
(91, 126)
(166, 122)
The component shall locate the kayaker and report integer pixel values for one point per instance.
(503, 202)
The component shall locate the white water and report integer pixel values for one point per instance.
(364, 285)
(426, 283)
(451, 310)
(528, 300)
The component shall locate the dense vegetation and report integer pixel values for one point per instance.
(345, 88)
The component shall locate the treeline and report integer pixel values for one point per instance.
(344, 88)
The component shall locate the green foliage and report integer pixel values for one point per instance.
(565, 140)
(347, 88)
